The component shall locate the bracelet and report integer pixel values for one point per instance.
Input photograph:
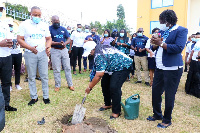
(89, 88)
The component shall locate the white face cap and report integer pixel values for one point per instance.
(88, 46)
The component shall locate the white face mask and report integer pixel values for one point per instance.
(163, 27)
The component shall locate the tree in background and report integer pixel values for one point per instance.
(118, 24)
(120, 12)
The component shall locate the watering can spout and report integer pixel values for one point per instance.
(125, 108)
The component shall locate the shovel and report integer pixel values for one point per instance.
(79, 112)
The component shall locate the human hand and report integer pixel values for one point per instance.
(33, 49)
(118, 43)
(151, 54)
(87, 90)
(156, 40)
(47, 51)
(140, 50)
(6, 43)
(63, 44)
(69, 51)
(90, 39)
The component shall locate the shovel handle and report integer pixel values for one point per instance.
(84, 98)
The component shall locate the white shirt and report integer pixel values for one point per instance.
(34, 34)
(159, 55)
(196, 51)
(78, 38)
(132, 52)
(148, 45)
(4, 34)
(188, 50)
(17, 50)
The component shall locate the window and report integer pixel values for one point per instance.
(161, 3)
(154, 24)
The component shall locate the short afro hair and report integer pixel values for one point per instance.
(168, 16)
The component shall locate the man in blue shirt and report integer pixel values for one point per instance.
(138, 44)
(59, 53)
(95, 38)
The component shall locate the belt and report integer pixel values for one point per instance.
(58, 48)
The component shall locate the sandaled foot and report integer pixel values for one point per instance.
(114, 116)
(105, 108)
(151, 118)
(163, 125)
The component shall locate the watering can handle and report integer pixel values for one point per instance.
(136, 95)
(84, 98)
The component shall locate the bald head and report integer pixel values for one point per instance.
(55, 19)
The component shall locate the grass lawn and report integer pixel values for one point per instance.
(186, 113)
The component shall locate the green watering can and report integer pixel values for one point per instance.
(131, 107)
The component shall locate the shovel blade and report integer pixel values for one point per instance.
(79, 114)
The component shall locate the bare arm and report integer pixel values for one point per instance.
(95, 80)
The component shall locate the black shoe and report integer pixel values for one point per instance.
(138, 82)
(151, 118)
(33, 101)
(46, 101)
(147, 84)
(26, 80)
(38, 78)
(9, 108)
(102, 109)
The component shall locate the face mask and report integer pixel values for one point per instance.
(56, 25)
(105, 35)
(194, 39)
(163, 27)
(87, 30)
(11, 28)
(93, 33)
(69, 31)
(139, 34)
(121, 34)
(36, 20)
(79, 29)
(197, 39)
(1, 14)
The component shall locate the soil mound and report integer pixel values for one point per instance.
(90, 125)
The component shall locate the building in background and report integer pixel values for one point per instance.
(187, 11)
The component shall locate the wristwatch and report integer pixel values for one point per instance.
(161, 45)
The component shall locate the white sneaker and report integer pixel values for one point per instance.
(18, 87)
(10, 88)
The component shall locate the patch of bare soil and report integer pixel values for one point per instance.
(90, 125)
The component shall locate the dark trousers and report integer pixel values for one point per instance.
(77, 52)
(168, 81)
(111, 88)
(133, 65)
(91, 63)
(5, 76)
(2, 111)
(16, 61)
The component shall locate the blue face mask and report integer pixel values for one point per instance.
(139, 34)
(194, 39)
(197, 39)
(1, 14)
(36, 20)
(87, 30)
(79, 29)
(121, 34)
(69, 31)
(11, 28)
(105, 35)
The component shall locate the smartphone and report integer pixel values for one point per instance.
(14, 46)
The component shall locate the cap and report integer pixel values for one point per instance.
(88, 46)
(2, 5)
(114, 30)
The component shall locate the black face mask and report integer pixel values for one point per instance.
(56, 25)
(93, 33)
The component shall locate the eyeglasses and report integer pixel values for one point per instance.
(139, 31)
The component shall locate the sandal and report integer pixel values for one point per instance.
(102, 109)
(162, 126)
(151, 118)
(112, 117)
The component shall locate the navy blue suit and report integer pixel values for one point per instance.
(168, 80)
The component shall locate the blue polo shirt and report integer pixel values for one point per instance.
(58, 35)
(140, 42)
(95, 38)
